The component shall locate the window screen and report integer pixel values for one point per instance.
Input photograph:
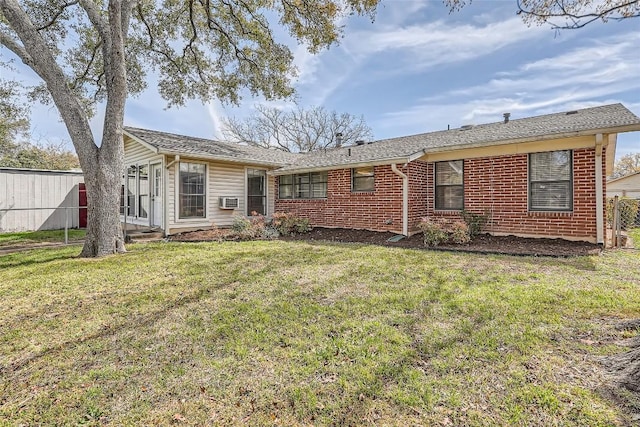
(303, 186)
(362, 179)
(550, 181)
(192, 190)
(449, 185)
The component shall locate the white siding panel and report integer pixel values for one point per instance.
(223, 180)
(271, 194)
(625, 187)
(227, 180)
(136, 153)
(171, 195)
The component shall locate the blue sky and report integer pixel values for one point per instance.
(418, 68)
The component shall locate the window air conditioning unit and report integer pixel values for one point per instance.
(228, 203)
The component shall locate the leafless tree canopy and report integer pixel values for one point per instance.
(299, 130)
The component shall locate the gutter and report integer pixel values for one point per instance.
(378, 162)
(405, 198)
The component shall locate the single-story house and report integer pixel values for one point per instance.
(179, 183)
(626, 186)
(541, 176)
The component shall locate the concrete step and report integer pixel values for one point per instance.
(144, 236)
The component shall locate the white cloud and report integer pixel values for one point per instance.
(600, 72)
(216, 116)
(435, 43)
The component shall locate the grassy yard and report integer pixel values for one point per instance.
(291, 333)
(34, 237)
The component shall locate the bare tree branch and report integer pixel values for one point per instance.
(299, 130)
(575, 13)
(572, 12)
(55, 17)
(14, 46)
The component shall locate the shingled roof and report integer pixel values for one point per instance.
(612, 118)
(172, 144)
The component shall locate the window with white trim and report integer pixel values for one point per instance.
(192, 197)
(551, 181)
(449, 186)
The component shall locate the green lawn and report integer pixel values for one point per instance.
(291, 333)
(34, 237)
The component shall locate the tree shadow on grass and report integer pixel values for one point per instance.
(35, 256)
(132, 322)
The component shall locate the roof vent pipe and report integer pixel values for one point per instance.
(339, 139)
(506, 117)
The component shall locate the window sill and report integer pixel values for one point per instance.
(190, 220)
(551, 213)
(448, 211)
(320, 199)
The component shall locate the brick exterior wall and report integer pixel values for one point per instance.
(496, 185)
(378, 210)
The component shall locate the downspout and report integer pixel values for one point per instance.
(599, 192)
(405, 198)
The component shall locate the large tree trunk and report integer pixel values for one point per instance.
(102, 165)
(104, 178)
(103, 182)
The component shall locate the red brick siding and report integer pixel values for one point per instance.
(497, 185)
(379, 210)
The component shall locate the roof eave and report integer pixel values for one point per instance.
(144, 143)
(609, 130)
(226, 159)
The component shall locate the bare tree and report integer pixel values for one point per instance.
(97, 51)
(627, 165)
(297, 131)
(568, 14)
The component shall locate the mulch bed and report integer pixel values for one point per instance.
(509, 245)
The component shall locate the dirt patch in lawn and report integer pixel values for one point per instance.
(510, 245)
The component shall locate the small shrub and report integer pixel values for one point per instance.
(432, 231)
(459, 232)
(249, 228)
(438, 230)
(240, 223)
(475, 222)
(288, 223)
(270, 233)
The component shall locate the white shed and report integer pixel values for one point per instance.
(627, 186)
(36, 199)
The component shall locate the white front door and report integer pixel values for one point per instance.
(156, 195)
